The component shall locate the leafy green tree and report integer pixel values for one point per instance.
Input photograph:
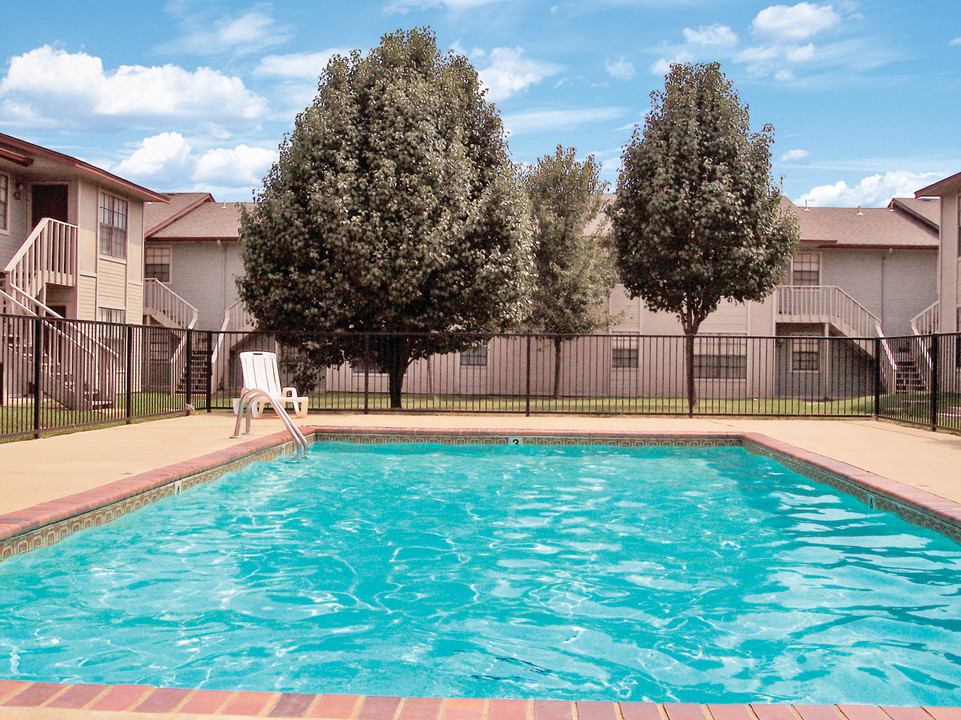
(574, 272)
(393, 208)
(697, 217)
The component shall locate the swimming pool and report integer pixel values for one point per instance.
(785, 590)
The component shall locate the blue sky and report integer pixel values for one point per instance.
(864, 96)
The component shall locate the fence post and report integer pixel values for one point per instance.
(366, 371)
(877, 377)
(190, 361)
(209, 355)
(37, 359)
(128, 399)
(527, 386)
(935, 379)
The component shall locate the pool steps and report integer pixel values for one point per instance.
(245, 409)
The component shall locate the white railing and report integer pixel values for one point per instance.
(160, 299)
(926, 322)
(237, 318)
(889, 366)
(48, 255)
(821, 303)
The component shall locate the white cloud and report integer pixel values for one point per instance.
(234, 167)
(872, 191)
(522, 122)
(403, 6)
(800, 54)
(783, 23)
(956, 41)
(298, 65)
(794, 155)
(35, 83)
(158, 153)
(621, 69)
(711, 36)
(509, 72)
(243, 34)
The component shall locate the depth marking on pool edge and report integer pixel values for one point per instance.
(515, 440)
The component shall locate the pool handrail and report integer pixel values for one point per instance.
(245, 409)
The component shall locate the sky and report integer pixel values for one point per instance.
(864, 96)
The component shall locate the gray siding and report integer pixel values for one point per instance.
(204, 274)
(895, 285)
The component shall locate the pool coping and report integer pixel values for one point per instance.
(171, 702)
(49, 522)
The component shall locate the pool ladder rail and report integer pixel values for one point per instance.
(245, 409)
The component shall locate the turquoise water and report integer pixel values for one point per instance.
(578, 572)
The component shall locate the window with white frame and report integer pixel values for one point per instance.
(112, 315)
(806, 269)
(4, 203)
(113, 226)
(625, 352)
(475, 356)
(805, 354)
(720, 357)
(156, 263)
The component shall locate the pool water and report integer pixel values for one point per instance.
(664, 574)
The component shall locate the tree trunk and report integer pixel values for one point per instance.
(557, 366)
(398, 358)
(689, 362)
(690, 322)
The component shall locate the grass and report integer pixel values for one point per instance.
(914, 409)
(774, 407)
(55, 419)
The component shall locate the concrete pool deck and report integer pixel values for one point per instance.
(36, 471)
(44, 471)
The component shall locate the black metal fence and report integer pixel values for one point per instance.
(60, 374)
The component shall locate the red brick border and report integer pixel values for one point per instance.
(144, 698)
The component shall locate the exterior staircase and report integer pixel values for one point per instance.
(76, 368)
(910, 379)
(169, 310)
(831, 306)
(199, 357)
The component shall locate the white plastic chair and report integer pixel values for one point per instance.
(260, 372)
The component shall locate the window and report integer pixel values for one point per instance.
(806, 354)
(370, 366)
(720, 358)
(4, 202)
(113, 315)
(474, 356)
(625, 352)
(806, 269)
(156, 263)
(113, 226)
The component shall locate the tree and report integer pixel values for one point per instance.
(393, 208)
(573, 271)
(697, 217)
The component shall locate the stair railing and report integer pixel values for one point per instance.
(828, 303)
(889, 366)
(48, 255)
(925, 323)
(70, 344)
